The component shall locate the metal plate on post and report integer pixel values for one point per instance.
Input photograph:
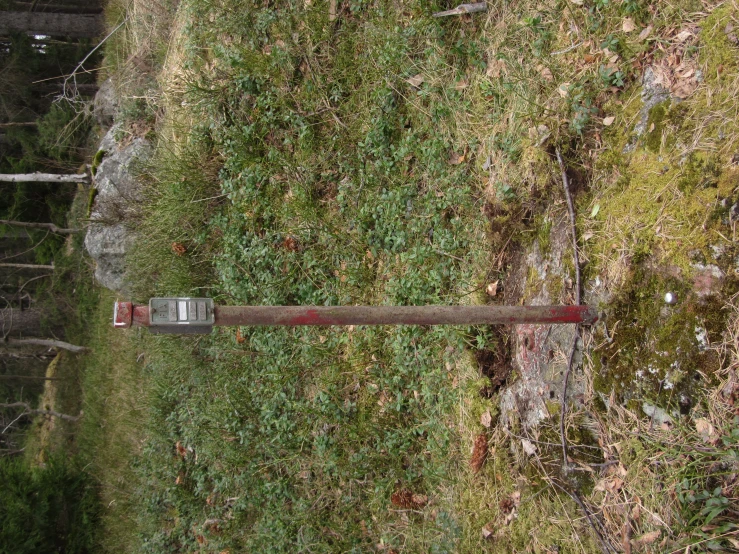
(181, 315)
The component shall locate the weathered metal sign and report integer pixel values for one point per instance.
(181, 315)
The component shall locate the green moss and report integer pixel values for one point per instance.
(728, 183)
(96, 160)
(91, 199)
(717, 54)
(655, 126)
(655, 353)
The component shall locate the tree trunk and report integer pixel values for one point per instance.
(28, 266)
(47, 342)
(43, 177)
(56, 24)
(20, 323)
(50, 226)
(20, 124)
(57, 8)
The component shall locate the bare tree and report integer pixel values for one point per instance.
(27, 266)
(53, 24)
(27, 410)
(50, 226)
(44, 177)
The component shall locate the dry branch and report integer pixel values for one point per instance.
(50, 226)
(566, 378)
(46, 342)
(463, 9)
(31, 411)
(28, 266)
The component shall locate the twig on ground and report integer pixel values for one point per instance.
(604, 544)
(565, 50)
(566, 379)
(463, 9)
(573, 228)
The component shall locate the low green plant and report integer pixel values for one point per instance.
(46, 509)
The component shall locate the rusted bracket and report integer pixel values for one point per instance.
(185, 318)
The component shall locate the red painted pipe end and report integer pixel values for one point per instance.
(122, 314)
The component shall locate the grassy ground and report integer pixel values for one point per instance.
(351, 153)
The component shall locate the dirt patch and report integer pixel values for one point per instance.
(495, 364)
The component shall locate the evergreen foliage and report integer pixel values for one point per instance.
(48, 509)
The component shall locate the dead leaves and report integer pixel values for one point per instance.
(456, 158)
(178, 248)
(508, 507)
(627, 25)
(545, 73)
(646, 538)
(645, 33)
(706, 431)
(679, 77)
(486, 419)
(675, 71)
(492, 289)
(406, 500)
(181, 450)
(495, 69)
(290, 243)
(479, 452)
(416, 81)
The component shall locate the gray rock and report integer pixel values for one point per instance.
(110, 235)
(107, 245)
(657, 415)
(540, 278)
(652, 94)
(105, 105)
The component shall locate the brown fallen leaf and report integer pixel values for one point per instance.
(488, 531)
(416, 81)
(646, 31)
(628, 25)
(406, 500)
(479, 452)
(706, 430)
(495, 68)
(289, 243)
(181, 450)
(528, 447)
(646, 538)
(178, 248)
(486, 420)
(456, 159)
(492, 288)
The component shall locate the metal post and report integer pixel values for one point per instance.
(126, 314)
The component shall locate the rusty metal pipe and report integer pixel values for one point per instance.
(127, 314)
